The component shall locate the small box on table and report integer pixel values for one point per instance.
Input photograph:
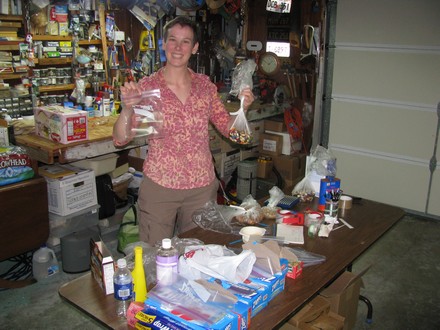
(60, 124)
(102, 265)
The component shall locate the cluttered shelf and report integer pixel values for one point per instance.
(99, 142)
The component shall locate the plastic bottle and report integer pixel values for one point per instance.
(123, 285)
(138, 273)
(44, 263)
(167, 259)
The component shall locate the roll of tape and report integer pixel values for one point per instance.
(345, 202)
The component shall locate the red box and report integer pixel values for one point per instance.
(295, 269)
(60, 124)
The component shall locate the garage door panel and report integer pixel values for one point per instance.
(382, 180)
(370, 22)
(406, 77)
(405, 132)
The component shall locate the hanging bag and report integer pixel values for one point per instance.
(129, 229)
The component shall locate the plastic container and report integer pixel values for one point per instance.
(61, 226)
(123, 288)
(167, 259)
(100, 165)
(44, 263)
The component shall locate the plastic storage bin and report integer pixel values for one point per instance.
(100, 165)
(61, 226)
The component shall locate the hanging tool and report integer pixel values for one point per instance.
(101, 11)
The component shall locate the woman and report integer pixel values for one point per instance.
(178, 172)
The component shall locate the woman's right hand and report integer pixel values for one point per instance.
(130, 95)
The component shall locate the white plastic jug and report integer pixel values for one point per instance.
(44, 263)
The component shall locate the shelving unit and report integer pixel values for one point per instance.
(16, 104)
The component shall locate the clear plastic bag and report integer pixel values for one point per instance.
(323, 162)
(304, 190)
(242, 76)
(253, 214)
(147, 118)
(270, 210)
(239, 131)
(216, 217)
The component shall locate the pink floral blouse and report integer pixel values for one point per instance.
(182, 158)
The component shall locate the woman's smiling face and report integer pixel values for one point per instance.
(179, 45)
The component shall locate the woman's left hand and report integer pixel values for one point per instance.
(248, 97)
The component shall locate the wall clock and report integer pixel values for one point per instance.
(269, 63)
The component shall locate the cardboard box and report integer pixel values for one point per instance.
(250, 152)
(270, 144)
(343, 295)
(257, 128)
(182, 317)
(288, 326)
(312, 311)
(275, 124)
(72, 193)
(290, 167)
(102, 265)
(61, 124)
(330, 321)
(264, 167)
(290, 146)
(229, 163)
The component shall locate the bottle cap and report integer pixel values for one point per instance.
(122, 263)
(166, 243)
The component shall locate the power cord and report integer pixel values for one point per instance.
(20, 269)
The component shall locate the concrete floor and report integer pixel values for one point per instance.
(403, 284)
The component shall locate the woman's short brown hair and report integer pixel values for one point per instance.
(182, 21)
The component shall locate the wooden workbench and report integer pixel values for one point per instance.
(99, 143)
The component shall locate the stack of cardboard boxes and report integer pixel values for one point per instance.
(276, 143)
(271, 143)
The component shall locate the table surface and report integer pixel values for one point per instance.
(370, 221)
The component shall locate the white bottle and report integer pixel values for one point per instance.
(123, 288)
(167, 259)
(44, 263)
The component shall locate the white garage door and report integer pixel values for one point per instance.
(384, 116)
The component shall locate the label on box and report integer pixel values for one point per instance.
(270, 145)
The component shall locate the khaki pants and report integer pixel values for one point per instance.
(165, 212)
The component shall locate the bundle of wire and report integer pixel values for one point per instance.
(20, 269)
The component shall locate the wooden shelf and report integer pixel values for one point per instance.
(91, 42)
(51, 38)
(57, 88)
(10, 45)
(17, 18)
(53, 61)
(66, 38)
(9, 76)
(10, 24)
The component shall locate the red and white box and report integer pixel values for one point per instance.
(60, 124)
